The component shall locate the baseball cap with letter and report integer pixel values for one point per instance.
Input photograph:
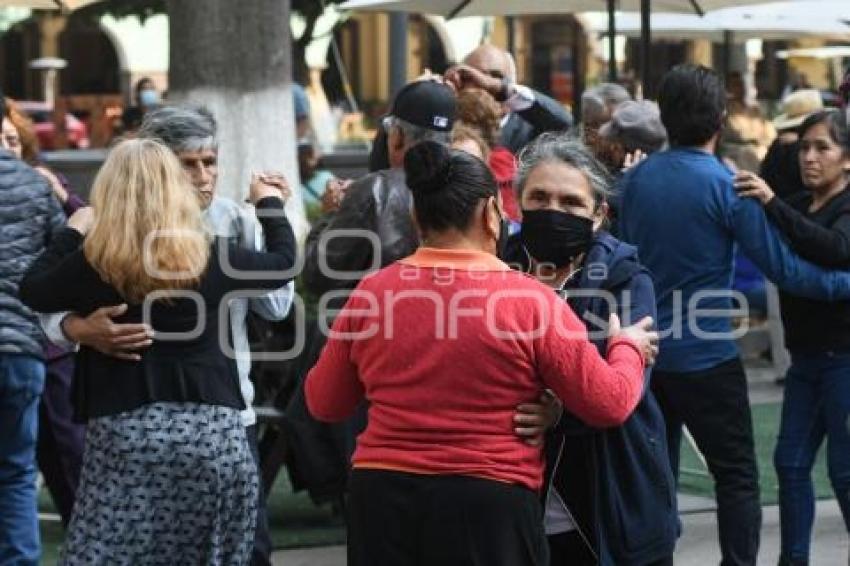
(427, 104)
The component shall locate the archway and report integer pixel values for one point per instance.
(93, 62)
(556, 58)
(18, 46)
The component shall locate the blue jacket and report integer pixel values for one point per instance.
(29, 216)
(681, 210)
(617, 483)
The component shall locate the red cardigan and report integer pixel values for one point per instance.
(444, 345)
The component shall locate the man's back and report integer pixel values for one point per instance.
(677, 210)
(29, 213)
(373, 219)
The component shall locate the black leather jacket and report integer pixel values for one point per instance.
(378, 206)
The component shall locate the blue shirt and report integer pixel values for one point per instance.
(679, 207)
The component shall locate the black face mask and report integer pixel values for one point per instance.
(555, 237)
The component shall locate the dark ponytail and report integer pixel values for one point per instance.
(447, 185)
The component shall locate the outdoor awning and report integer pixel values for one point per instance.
(461, 8)
(773, 21)
(66, 5)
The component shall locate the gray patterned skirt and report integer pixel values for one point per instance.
(168, 483)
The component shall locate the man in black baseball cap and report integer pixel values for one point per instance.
(372, 228)
(428, 104)
(380, 202)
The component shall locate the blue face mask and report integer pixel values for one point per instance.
(148, 98)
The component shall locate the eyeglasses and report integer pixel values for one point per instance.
(387, 122)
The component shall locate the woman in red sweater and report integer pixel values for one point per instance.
(444, 345)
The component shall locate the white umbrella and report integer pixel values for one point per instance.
(65, 5)
(773, 21)
(460, 8)
(828, 52)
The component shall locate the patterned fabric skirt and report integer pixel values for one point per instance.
(168, 483)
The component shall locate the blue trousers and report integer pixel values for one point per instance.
(816, 406)
(21, 384)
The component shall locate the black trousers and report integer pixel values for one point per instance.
(262, 553)
(400, 519)
(569, 549)
(715, 407)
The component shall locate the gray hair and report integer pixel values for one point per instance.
(181, 128)
(568, 150)
(598, 102)
(414, 134)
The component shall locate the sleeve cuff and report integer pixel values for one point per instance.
(73, 203)
(269, 202)
(626, 342)
(67, 239)
(522, 99)
(52, 326)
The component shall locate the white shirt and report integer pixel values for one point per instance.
(557, 518)
(522, 99)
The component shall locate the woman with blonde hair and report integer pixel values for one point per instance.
(167, 474)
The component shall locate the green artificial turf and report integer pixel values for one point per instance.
(766, 429)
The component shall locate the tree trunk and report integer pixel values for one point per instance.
(235, 58)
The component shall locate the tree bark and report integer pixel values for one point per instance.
(235, 58)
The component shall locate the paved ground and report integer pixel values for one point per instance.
(762, 385)
(697, 547)
(327, 556)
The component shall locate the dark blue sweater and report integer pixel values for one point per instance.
(617, 483)
(680, 209)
